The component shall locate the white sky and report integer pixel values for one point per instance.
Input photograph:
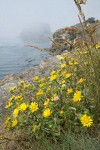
(15, 15)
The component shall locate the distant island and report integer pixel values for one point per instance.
(36, 33)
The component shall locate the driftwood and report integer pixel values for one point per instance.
(81, 1)
(78, 3)
(36, 47)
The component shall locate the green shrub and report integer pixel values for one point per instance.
(67, 99)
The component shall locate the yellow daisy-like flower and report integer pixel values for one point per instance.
(15, 112)
(60, 58)
(63, 81)
(86, 120)
(47, 112)
(7, 120)
(81, 80)
(86, 63)
(23, 107)
(53, 77)
(72, 59)
(46, 103)
(69, 91)
(65, 55)
(12, 89)
(12, 98)
(22, 82)
(70, 63)
(19, 97)
(39, 93)
(77, 96)
(26, 86)
(41, 85)
(36, 78)
(63, 66)
(85, 52)
(81, 53)
(33, 107)
(68, 75)
(48, 89)
(8, 105)
(14, 123)
(98, 46)
(61, 112)
(53, 72)
(75, 63)
(34, 128)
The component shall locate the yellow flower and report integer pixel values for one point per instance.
(61, 112)
(25, 86)
(69, 91)
(39, 93)
(60, 58)
(7, 120)
(77, 96)
(98, 46)
(48, 89)
(33, 107)
(11, 98)
(81, 80)
(22, 82)
(34, 128)
(63, 81)
(81, 53)
(8, 105)
(68, 75)
(36, 78)
(46, 103)
(70, 63)
(14, 123)
(19, 97)
(63, 66)
(12, 89)
(85, 52)
(86, 120)
(53, 77)
(41, 85)
(72, 59)
(15, 112)
(65, 55)
(86, 63)
(53, 72)
(75, 63)
(23, 107)
(47, 113)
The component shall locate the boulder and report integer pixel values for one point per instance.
(69, 38)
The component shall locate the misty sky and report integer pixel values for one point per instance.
(16, 15)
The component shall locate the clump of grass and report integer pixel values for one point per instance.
(67, 141)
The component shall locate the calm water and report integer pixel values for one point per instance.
(15, 57)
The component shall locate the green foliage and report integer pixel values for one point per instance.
(67, 99)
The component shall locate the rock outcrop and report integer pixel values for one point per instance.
(70, 37)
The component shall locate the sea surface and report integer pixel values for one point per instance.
(16, 56)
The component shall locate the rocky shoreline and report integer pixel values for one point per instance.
(9, 81)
